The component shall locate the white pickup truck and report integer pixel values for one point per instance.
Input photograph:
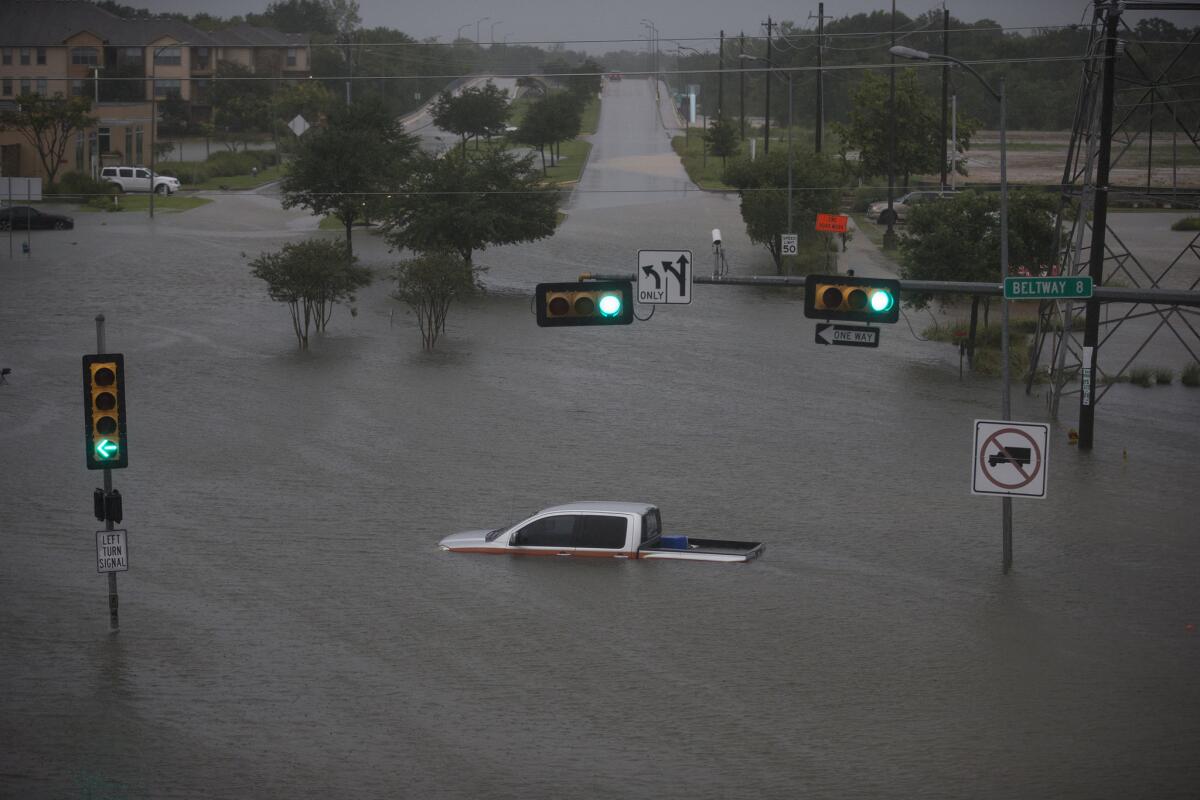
(599, 529)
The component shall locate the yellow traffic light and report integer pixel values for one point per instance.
(104, 411)
(584, 303)
(846, 297)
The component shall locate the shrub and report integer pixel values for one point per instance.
(1187, 224)
(1190, 376)
(80, 187)
(1163, 376)
(1142, 377)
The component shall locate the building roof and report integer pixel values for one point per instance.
(47, 23)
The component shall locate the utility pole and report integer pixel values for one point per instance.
(945, 87)
(889, 236)
(767, 77)
(721, 76)
(1091, 328)
(820, 115)
(742, 82)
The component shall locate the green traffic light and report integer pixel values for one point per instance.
(610, 305)
(881, 300)
(106, 449)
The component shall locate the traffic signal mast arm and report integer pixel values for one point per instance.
(1166, 297)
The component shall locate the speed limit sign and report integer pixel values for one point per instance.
(789, 244)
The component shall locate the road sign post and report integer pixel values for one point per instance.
(1009, 460)
(789, 244)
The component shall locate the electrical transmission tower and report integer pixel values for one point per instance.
(1134, 97)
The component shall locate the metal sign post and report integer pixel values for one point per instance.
(113, 601)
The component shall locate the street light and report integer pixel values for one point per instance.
(481, 19)
(458, 35)
(1005, 406)
(154, 109)
(492, 35)
(788, 75)
(653, 35)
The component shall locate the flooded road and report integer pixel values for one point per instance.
(289, 628)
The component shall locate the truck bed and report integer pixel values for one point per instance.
(707, 550)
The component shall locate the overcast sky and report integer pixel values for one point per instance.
(578, 20)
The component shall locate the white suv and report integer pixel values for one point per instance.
(137, 179)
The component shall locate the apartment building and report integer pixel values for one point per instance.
(74, 48)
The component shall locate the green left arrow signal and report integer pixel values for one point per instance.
(106, 449)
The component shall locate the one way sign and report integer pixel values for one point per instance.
(664, 276)
(850, 335)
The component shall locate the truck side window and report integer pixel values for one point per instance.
(555, 531)
(606, 532)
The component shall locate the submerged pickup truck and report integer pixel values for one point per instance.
(598, 529)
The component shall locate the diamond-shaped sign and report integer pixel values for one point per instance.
(299, 125)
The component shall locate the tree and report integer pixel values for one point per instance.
(474, 112)
(468, 204)
(48, 124)
(762, 186)
(918, 127)
(241, 104)
(958, 239)
(311, 277)
(429, 284)
(300, 16)
(722, 138)
(347, 167)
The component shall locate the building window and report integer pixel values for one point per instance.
(25, 56)
(168, 56)
(168, 88)
(103, 141)
(41, 55)
(200, 89)
(41, 87)
(7, 87)
(199, 58)
(291, 56)
(26, 86)
(7, 55)
(78, 87)
(138, 145)
(129, 146)
(79, 152)
(85, 55)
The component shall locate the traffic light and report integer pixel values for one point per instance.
(585, 303)
(850, 298)
(104, 411)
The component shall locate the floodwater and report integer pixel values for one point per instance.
(290, 629)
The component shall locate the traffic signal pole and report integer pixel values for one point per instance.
(113, 600)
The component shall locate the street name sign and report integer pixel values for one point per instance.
(1062, 287)
(833, 223)
(112, 551)
(789, 244)
(1009, 458)
(850, 335)
(664, 276)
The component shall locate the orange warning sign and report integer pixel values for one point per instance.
(832, 223)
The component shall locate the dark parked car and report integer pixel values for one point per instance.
(20, 218)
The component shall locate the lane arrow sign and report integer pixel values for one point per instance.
(649, 270)
(680, 274)
(848, 335)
